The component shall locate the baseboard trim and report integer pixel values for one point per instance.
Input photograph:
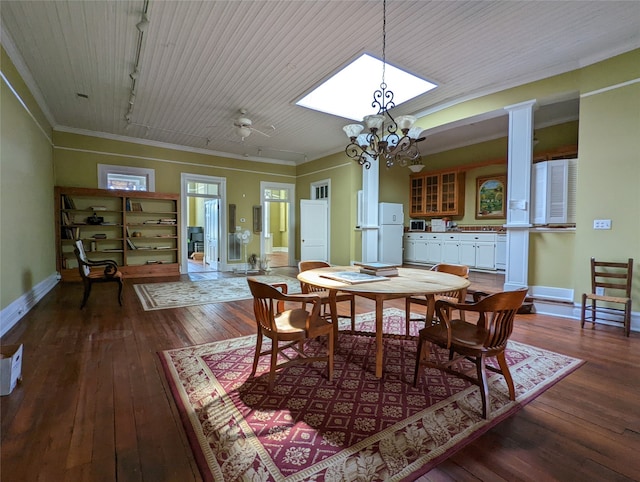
(573, 311)
(14, 312)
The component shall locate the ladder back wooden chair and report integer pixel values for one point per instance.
(287, 328)
(429, 300)
(110, 273)
(324, 293)
(610, 285)
(475, 342)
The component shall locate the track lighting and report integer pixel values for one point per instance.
(143, 24)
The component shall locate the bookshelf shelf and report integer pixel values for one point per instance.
(155, 216)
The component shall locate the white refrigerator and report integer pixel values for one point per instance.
(391, 222)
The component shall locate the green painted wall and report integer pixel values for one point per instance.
(608, 182)
(76, 158)
(551, 259)
(27, 234)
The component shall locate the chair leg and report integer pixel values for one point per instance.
(627, 318)
(407, 309)
(87, 292)
(502, 361)
(274, 363)
(256, 357)
(484, 387)
(584, 310)
(120, 291)
(419, 354)
(593, 314)
(352, 302)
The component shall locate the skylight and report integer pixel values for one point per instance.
(349, 93)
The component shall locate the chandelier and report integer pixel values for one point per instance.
(390, 140)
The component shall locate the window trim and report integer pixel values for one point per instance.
(105, 169)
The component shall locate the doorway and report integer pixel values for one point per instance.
(277, 237)
(201, 223)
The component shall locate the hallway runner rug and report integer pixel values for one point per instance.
(160, 296)
(357, 427)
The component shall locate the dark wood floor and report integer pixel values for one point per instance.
(94, 405)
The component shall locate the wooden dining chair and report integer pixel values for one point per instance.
(429, 300)
(475, 342)
(109, 274)
(341, 296)
(287, 328)
(610, 285)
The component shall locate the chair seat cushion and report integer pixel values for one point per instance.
(610, 299)
(292, 321)
(462, 333)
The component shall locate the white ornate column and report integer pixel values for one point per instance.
(370, 189)
(520, 156)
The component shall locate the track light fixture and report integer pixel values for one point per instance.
(143, 24)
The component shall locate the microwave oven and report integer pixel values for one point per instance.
(417, 225)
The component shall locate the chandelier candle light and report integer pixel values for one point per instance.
(395, 143)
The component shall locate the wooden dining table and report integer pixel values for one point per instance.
(409, 282)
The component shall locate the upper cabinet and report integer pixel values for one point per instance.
(434, 194)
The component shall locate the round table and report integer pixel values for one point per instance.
(409, 282)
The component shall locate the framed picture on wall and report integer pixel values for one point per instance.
(491, 196)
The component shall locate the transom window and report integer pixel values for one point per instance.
(126, 178)
(320, 190)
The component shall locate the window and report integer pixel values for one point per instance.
(126, 178)
(320, 190)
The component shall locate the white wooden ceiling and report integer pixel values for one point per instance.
(201, 61)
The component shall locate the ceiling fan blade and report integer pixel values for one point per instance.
(253, 129)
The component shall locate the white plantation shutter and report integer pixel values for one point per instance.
(554, 191)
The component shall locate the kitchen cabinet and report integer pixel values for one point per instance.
(435, 194)
(415, 247)
(409, 249)
(433, 254)
(422, 248)
(451, 248)
(478, 250)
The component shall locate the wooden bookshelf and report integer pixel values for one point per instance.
(138, 230)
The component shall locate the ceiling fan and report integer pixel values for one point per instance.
(243, 126)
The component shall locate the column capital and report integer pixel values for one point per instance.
(528, 104)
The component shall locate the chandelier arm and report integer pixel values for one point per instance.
(355, 152)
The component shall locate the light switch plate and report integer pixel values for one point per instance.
(602, 224)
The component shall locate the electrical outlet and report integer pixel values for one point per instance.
(602, 224)
(599, 290)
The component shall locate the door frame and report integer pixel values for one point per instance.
(185, 178)
(291, 200)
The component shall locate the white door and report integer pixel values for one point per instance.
(211, 237)
(314, 240)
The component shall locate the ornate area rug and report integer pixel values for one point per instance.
(159, 296)
(357, 427)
